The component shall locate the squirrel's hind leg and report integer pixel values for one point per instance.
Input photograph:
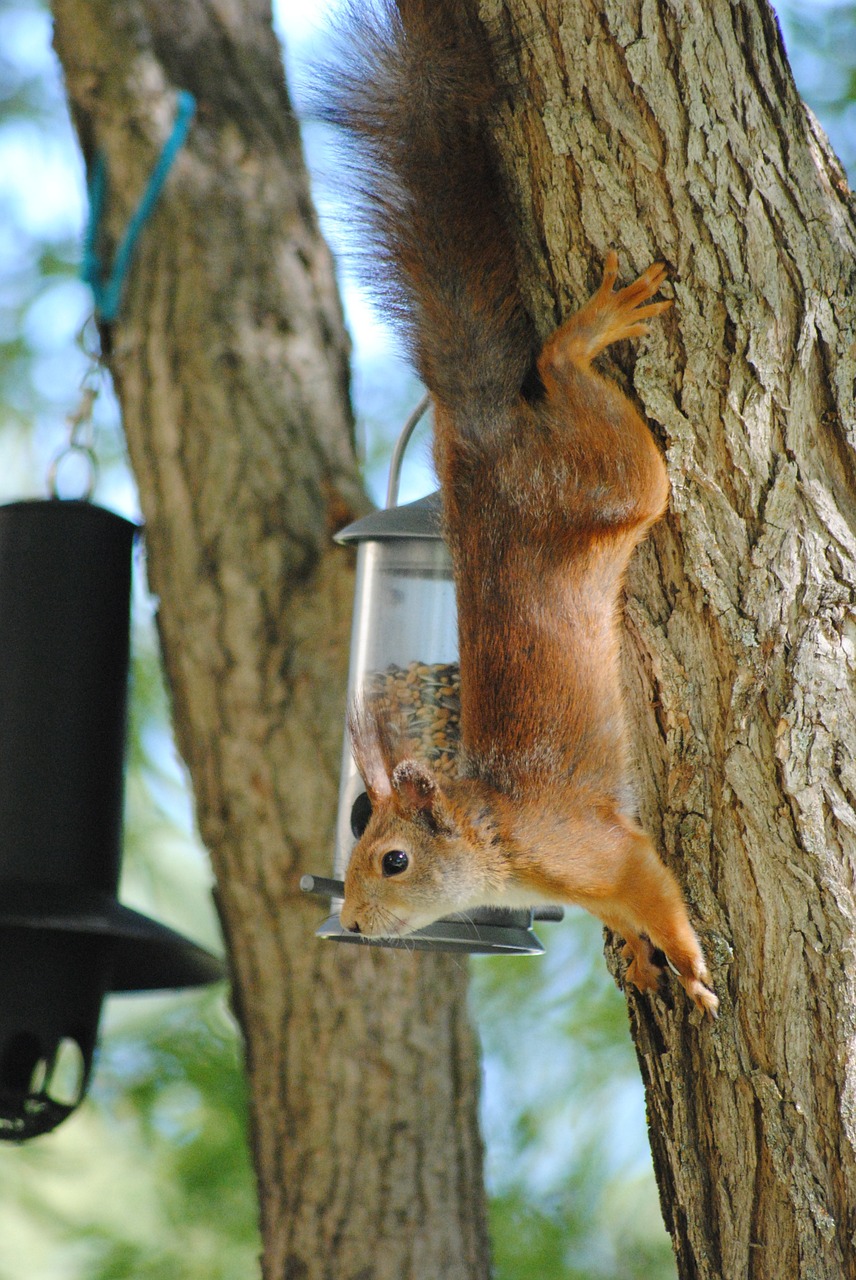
(645, 892)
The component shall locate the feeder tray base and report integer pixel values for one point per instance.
(485, 931)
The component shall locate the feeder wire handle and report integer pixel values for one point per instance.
(398, 452)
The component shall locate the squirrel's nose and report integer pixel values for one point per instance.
(353, 928)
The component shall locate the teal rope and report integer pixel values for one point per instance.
(108, 293)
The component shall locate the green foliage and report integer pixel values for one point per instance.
(176, 1078)
(151, 1177)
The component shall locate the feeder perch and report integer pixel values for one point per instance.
(404, 645)
(65, 940)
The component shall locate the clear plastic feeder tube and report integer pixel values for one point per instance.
(404, 647)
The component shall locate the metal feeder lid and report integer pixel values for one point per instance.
(420, 519)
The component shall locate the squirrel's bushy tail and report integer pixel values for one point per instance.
(412, 97)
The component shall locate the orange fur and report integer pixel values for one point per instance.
(550, 479)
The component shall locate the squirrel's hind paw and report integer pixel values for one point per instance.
(642, 971)
(702, 996)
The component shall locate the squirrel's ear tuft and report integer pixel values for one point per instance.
(385, 757)
(378, 742)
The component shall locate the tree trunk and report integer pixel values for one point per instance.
(671, 129)
(230, 361)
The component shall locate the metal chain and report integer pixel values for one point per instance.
(81, 427)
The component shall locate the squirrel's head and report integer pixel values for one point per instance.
(414, 860)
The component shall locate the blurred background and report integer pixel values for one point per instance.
(151, 1177)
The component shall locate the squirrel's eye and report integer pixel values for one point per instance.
(394, 862)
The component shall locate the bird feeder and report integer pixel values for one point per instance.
(404, 647)
(65, 940)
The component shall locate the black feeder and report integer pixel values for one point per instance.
(404, 642)
(65, 940)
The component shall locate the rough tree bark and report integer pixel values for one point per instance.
(672, 129)
(665, 128)
(230, 361)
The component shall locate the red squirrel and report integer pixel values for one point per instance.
(549, 480)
